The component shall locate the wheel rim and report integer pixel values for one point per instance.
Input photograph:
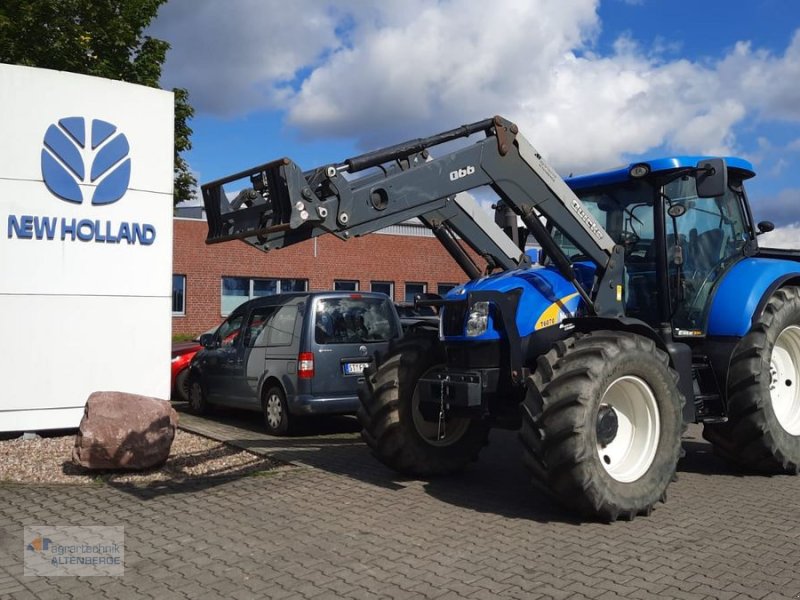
(631, 448)
(454, 428)
(784, 369)
(274, 411)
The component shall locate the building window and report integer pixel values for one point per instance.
(384, 287)
(412, 289)
(343, 285)
(179, 294)
(264, 287)
(237, 290)
(443, 288)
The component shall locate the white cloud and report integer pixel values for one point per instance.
(384, 72)
(456, 62)
(236, 56)
(763, 81)
(782, 237)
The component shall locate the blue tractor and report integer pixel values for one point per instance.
(650, 306)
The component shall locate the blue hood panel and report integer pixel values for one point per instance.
(546, 298)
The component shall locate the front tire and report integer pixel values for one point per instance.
(763, 429)
(393, 426)
(198, 403)
(602, 422)
(181, 392)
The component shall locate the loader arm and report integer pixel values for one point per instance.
(281, 205)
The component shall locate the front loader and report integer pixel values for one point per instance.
(652, 306)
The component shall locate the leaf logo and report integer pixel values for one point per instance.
(69, 148)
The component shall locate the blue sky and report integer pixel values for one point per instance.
(592, 83)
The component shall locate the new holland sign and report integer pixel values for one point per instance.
(86, 255)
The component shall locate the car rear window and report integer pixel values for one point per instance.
(353, 319)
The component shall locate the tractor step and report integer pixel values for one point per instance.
(709, 405)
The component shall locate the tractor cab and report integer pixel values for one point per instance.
(680, 230)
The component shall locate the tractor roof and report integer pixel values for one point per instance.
(622, 174)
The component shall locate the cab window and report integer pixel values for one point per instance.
(280, 328)
(273, 325)
(704, 236)
(625, 211)
(256, 324)
(228, 332)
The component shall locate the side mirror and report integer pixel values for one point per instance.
(712, 178)
(765, 227)
(207, 340)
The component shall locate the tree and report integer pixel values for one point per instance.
(102, 38)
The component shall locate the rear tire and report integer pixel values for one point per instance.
(276, 412)
(763, 429)
(393, 427)
(601, 424)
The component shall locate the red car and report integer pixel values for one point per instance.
(182, 354)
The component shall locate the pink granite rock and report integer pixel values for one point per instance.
(124, 431)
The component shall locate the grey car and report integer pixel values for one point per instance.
(291, 355)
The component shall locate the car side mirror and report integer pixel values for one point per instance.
(207, 340)
(765, 227)
(712, 178)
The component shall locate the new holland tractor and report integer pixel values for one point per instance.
(651, 306)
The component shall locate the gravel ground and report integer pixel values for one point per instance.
(49, 460)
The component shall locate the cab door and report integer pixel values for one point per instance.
(705, 237)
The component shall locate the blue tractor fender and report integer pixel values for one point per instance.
(744, 290)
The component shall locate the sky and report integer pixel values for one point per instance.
(592, 84)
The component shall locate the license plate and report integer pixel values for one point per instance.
(356, 368)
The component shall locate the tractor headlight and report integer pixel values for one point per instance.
(478, 319)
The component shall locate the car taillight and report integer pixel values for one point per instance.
(305, 365)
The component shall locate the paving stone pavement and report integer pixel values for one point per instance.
(336, 524)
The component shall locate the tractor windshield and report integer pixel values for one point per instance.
(625, 211)
(704, 236)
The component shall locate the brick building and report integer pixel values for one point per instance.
(209, 281)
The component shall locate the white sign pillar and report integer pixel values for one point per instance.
(86, 171)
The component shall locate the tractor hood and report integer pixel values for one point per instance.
(546, 298)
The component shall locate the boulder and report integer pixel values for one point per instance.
(124, 431)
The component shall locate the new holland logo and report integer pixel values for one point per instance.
(74, 155)
(83, 159)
